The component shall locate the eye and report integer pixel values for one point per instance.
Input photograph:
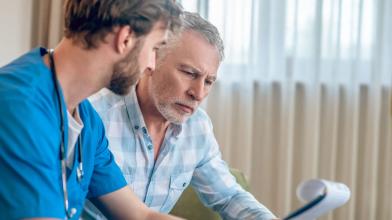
(159, 46)
(191, 74)
(209, 82)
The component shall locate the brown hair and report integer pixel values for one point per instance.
(89, 21)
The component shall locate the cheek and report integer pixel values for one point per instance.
(167, 89)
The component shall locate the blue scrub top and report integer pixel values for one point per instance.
(30, 138)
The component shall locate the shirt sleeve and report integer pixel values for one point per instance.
(29, 161)
(107, 176)
(218, 189)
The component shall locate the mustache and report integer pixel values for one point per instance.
(189, 103)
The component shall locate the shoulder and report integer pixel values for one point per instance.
(27, 90)
(25, 76)
(105, 100)
(89, 116)
(25, 70)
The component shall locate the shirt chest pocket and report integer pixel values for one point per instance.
(178, 183)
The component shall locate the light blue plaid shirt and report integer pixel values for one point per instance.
(189, 155)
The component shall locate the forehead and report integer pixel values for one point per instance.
(193, 50)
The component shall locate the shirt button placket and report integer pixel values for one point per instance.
(151, 162)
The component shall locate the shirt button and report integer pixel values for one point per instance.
(136, 127)
(184, 184)
(144, 130)
(149, 147)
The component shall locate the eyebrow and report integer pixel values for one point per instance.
(197, 71)
(193, 69)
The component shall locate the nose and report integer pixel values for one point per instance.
(151, 61)
(197, 90)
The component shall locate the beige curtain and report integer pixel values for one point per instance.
(48, 23)
(305, 92)
(287, 133)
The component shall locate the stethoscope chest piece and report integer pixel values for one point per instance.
(80, 173)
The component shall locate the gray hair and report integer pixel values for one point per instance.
(194, 22)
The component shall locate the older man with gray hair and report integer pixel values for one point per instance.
(161, 139)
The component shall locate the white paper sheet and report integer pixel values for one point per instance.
(321, 197)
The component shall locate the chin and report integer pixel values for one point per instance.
(180, 121)
(175, 120)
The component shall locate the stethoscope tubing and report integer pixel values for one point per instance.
(63, 157)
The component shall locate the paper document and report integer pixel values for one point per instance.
(321, 197)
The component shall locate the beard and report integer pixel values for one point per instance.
(126, 72)
(167, 110)
(164, 103)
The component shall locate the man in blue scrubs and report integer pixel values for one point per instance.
(53, 150)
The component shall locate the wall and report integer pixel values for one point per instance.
(15, 28)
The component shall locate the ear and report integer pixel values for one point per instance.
(125, 39)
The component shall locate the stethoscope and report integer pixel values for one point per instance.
(63, 157)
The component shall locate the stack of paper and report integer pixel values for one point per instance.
(321, 196)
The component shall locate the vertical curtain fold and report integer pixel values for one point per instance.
(48, 22)
(305, 92)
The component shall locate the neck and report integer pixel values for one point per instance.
(80, 72)
(155, 122)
